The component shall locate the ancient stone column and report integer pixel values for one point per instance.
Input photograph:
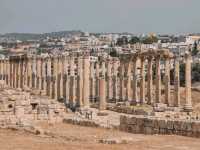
(38, 73)
(1, 69)
(188, 98)
(115, 81)
(158, 81)
(150, 81)
(15, 73)
(65, 79)
(97, 80)
(177, 84)
(86, 74)
(102, 94)
(28, 73)
(109, 80)
(129, 77)
(18, 73)
(72, 94)
(5, 69)
(25, 72)
(11, 73)
(34, 72)
(92, 81)
(135, 95)
(49, 77)
(167, 81)
(102, 88)
(59, 78)
(142, 83)
(7, 72)
(122, 91)
(80, 81)
(44, 79)
(55, 78)
(21, 72)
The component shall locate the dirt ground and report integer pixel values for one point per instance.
(71, 137)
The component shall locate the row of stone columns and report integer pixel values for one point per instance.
(77, 79)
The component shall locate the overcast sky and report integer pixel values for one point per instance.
(135, 16)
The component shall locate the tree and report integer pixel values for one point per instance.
(150, 40)
(122, 41)
(194, 49)
(113, 53)
(134, 40)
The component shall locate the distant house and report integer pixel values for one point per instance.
(192, 39)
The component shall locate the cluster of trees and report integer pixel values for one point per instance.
(195, 74)
(146, 40)
(195, 49)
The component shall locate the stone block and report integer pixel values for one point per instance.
(162, 124)
(131, 121)
(170, 125)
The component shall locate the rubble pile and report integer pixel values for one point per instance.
(19, 107)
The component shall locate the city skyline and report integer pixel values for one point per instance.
(28, 16)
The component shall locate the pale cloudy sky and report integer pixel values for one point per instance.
(136, 16)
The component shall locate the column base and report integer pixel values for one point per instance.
(188, 108)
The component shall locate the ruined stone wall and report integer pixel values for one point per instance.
(143, 125)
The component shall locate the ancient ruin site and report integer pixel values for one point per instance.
(77, 102)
